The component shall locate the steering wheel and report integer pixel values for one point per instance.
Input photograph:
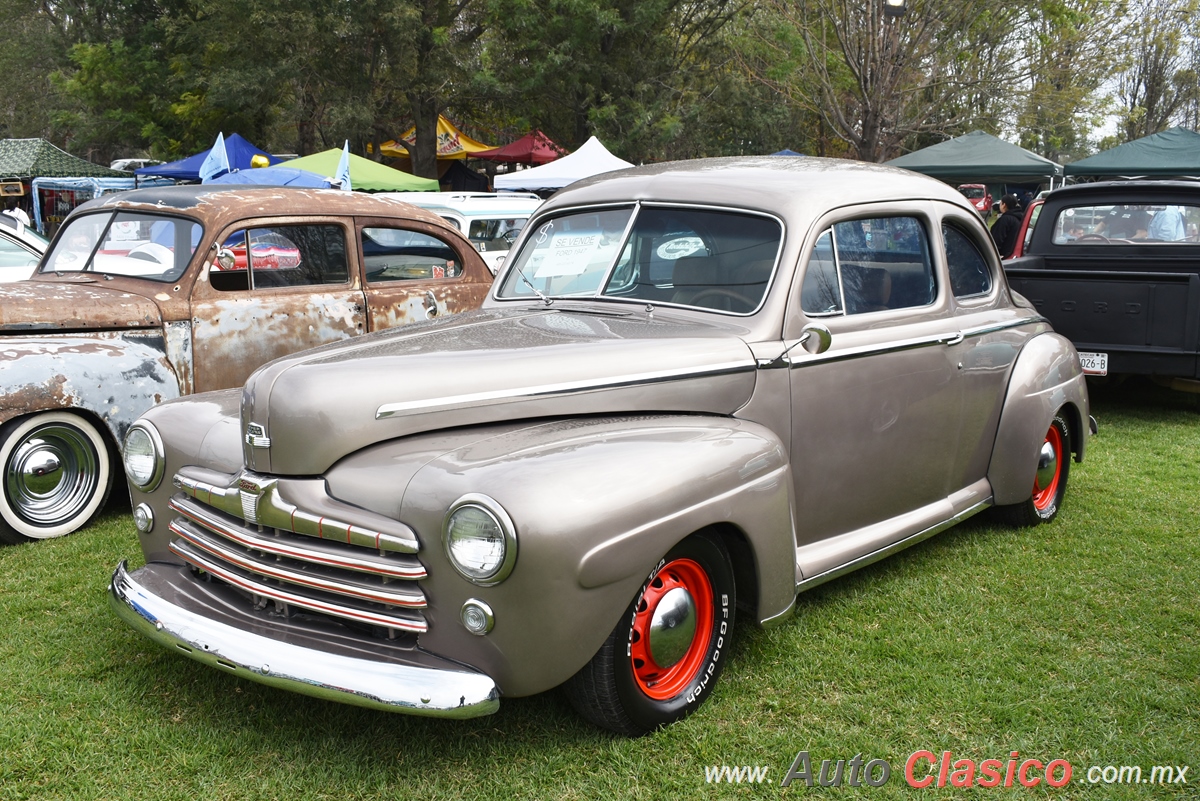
(721, 292)
(1092, 237)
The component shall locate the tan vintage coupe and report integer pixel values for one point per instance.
(696, 390)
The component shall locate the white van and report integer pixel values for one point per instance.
(491, 220)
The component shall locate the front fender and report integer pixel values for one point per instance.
(596, 502)
(114, 375)
(1045, 378)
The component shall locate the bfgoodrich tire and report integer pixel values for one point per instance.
(664, 657)
(1050, 480)
(56, 474)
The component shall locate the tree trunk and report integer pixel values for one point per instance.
(424, 153)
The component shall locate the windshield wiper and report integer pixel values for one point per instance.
(545, 299)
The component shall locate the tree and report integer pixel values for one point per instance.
(635, 72)
(1160, 77)
(1071, 47)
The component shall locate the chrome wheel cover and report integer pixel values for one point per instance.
(51, 475)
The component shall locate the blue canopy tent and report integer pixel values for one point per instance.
(788, 152)
(240, 152)
(96, 186)
(273, 176)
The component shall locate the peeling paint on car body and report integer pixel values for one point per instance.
(110, 346)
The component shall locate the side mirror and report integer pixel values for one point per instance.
(815, 338)
(226, 259)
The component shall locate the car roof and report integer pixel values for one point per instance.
(1117, 190)
(791, 186)
(218, 203)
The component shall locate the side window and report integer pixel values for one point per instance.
(821, 293)
(281, 256)
(395, 254)
(876, 264)
(969, 273)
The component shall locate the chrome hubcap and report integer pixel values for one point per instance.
(51, 475)
(673, 627)
(1047, 465)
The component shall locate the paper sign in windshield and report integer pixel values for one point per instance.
(572, 252)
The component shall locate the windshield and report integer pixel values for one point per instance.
(716, 260)
(1125, 223)
(152, 246)
(972, 192)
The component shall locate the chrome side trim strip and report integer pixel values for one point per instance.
(377, 685)
(917, 342)
(200, 560)
(875, 556)
(361, 563)
(566, 387)
(402, 595)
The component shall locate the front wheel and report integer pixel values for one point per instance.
(1050, 480)
(57, 475)
(664, 656)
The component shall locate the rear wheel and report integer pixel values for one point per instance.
(664, 656)
(56, 475)
(1050, 480)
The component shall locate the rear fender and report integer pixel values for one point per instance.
(116, 376)
(1045, 379)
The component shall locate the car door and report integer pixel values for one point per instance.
(415, 271)
(276, 286)
(876, 417)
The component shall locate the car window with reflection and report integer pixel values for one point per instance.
(397, 254)
(969, 272)
(1124, 223)
(134, 244)
(281, 256)
(715, 260)
(869, 265)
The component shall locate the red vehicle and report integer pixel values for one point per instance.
(979, 196)
(1026, 232)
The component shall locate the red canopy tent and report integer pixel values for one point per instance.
(533, 148)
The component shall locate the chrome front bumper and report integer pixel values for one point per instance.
(410, 689)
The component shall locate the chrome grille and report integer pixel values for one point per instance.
(318, 555)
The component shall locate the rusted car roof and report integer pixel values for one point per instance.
(212, 203)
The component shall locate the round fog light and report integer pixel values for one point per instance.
(143, 518)
(477, 617)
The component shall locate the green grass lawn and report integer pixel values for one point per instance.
(1076, 641)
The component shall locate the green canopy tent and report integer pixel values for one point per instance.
(37, 158)
(979, 157)
(364, 173)
(1168, 154)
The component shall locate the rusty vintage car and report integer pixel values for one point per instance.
(157, 293)
(696, 390)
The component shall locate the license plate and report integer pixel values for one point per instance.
(1094, 363)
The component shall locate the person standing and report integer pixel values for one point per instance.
(13, 210)
(1008, 226)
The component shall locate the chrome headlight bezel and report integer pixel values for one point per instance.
(504, 524)
(156, 451)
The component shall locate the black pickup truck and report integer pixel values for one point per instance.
(1115, 267)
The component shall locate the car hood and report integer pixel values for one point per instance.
(75, 305)
(484, 367)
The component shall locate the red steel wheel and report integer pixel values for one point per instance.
(663, 658)
(1049, 479)
(671, 629)
(1050, 470)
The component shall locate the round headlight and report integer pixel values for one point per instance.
(480, 540)
(143, 456)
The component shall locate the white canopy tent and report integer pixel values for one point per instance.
(592, 158)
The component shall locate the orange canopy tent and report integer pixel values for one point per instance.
(451, 143)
